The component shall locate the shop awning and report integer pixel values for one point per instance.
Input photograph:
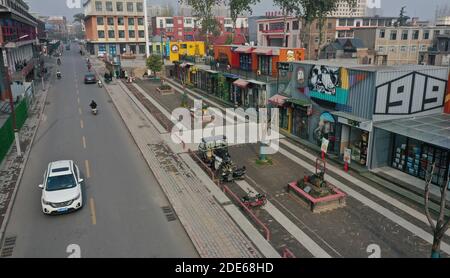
(244, 49)
(241, 83)
(263, 51)
(278, 100)
(349, 116)
(300, 102)
(432, 129)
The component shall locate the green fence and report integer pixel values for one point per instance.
(6, 131)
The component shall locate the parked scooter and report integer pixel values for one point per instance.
(254, 200)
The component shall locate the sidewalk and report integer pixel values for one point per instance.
(211, 229)
(408, 186)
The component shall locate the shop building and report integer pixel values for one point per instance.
(385, 116)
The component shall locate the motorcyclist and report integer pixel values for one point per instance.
(58, 74)
(93, 105)
(59, 61)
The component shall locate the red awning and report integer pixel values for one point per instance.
(263, 51)
(244, 49)
(278, 100)
(241, 83)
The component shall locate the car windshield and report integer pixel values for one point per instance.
(60, 182)
(89, 75)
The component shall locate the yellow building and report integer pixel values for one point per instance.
(191, 48)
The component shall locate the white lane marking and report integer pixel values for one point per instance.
(74, 250)
(293, 229)
(83, 139)
(88, 170)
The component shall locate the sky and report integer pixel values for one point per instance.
(425, 9)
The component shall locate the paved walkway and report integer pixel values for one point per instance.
(211, 229)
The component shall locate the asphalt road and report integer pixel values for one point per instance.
(122, 214)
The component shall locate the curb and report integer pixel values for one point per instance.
(19, 179)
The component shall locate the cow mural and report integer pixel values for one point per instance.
(324, 79)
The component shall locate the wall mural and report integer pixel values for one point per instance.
(324, 80)
(325, 129)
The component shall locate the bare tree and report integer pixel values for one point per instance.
(440, 227)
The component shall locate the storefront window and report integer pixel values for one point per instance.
(300, 122)
(326, 129)
(284, 118)
(265, 65)
(245, 62)
(359, 141)
(417, 158)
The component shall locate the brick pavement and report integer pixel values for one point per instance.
(212, 231)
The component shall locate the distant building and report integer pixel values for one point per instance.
(115, 28)
(344, 10)
(439, 53)
(346, 25)
(399, 45)
(182, 28)
(443, 21)
(18, 37)
(348, 49)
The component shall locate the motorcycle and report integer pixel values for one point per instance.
(94, 111)
(58, 75)
(254, 200)
(59, 62)
(229, 172)
(100, 84)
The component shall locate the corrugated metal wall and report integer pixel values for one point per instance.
(362, 93)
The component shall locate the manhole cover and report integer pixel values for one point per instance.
(170, 214)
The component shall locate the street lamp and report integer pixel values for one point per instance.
(9, 92)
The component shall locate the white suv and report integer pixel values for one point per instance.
(61, 190)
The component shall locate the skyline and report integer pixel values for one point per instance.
(414, 8)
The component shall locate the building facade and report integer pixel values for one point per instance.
(344, 10)
(181, 28)
(439, 53)
(115, 27)
(271, 31)
(399, 45)
(345, 26)
(18, 37)
(385, 116)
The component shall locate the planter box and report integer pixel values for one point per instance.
(165, 91)
(205, 118)
(327, 203)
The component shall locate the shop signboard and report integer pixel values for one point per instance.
(347, 155)
(325, 143)
(367, 125)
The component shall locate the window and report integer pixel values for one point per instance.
(139, 7)
(426, 35)
(261, 27)
(415, 35)
(110, 20)
(131, 34)
(119, 6)
(381, 49)
(130, 7)
(130, 21)
(228, 21)
(133, 48)
(141, 34)
(330, 25)
(169, 21)
(382, 33)
(100, 20)
(366, 22)
(393, 35)
(436, 33)
(405, 35)
(188, 21)
(393, 49)
(316, 39)
(98, 6)
(120, 21)
(142, 48)
(101, 34)
(276, 26)
(245, 62)
(140, 21)
(287, 27)
(295, 25)
(341, 22)
(423, 48)
(413, 48)
(403, 48)
(121, 34)
(350, 22)
(161, 23)
(109, 6)
(111, 34)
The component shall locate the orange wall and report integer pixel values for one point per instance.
(299, 54)
(91, 28)
(447, 97)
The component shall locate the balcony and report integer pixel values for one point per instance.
(274, 31)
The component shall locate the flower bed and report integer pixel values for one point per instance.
(165, 89)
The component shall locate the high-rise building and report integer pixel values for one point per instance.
(115, 27)
(344, 10)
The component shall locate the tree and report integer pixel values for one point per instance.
(287, 7)
(154, 63)
(311, 10)
(402, 18)
(239, 7)
(78, 17)
(203, 10)
(168, 11)
(441, 226)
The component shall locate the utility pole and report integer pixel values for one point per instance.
(147, 44)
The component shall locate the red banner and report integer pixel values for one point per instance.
(447, 97)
